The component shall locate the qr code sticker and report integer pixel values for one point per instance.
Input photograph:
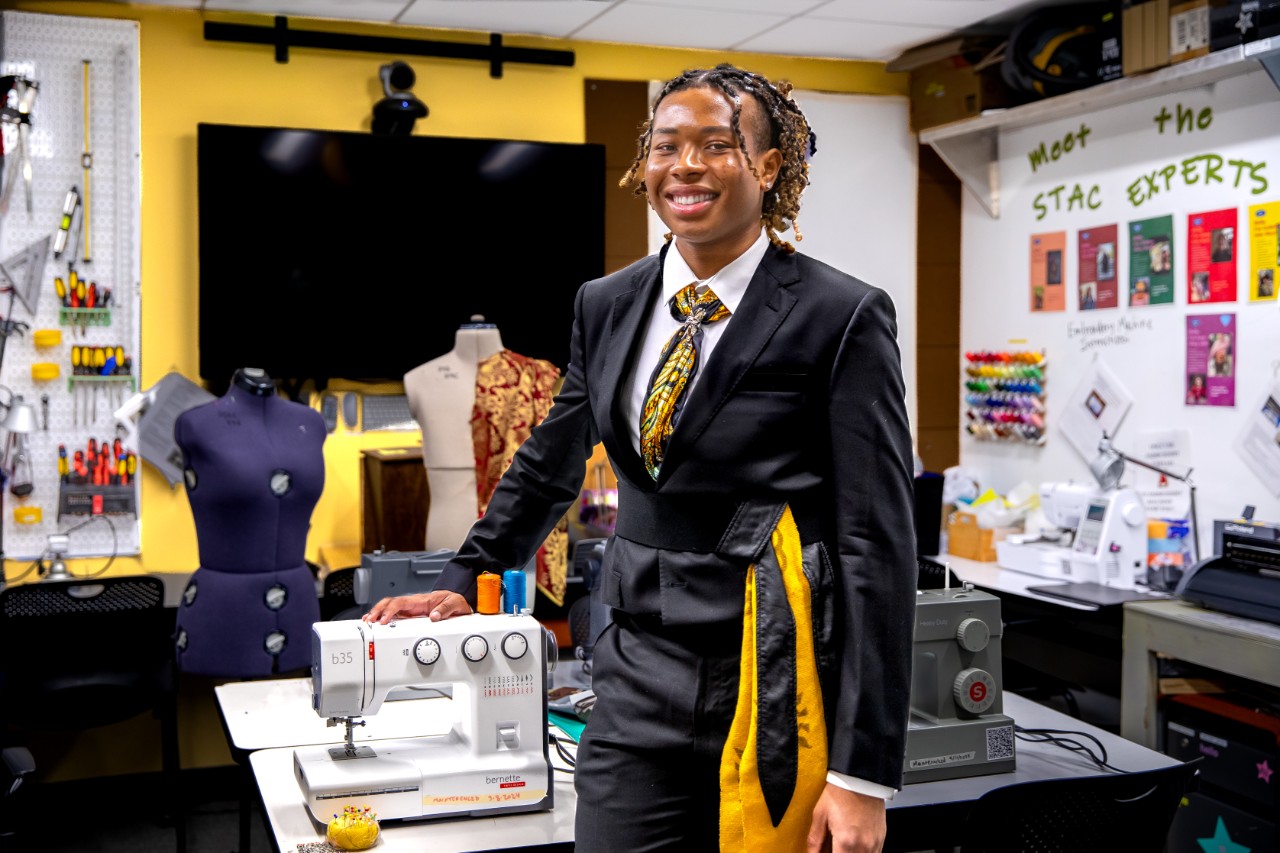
(999, 742)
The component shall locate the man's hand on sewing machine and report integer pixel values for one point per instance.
(440, 604)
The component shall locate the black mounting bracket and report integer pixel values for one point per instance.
(282, 38)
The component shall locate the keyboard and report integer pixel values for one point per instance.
(385, 412)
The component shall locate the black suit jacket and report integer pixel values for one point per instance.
(801, 401)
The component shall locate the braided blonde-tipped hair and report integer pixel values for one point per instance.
(789, 132)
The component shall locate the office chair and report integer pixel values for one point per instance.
(1130, 812)
(338, 596)
(80, 654)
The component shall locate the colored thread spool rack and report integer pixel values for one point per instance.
(1004, 396)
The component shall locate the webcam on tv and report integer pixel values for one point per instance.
(396, 113)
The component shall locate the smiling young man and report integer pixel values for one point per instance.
(752, 690)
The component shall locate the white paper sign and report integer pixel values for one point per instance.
(1259, 441)
(1170, 449)
(1098, 404)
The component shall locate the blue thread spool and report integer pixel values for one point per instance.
(513, 600)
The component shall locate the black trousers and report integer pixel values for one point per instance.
(648, 768)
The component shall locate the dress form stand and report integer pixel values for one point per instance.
(441, 395)
(254, 469)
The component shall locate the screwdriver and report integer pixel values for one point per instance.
(63, 468)
(60, 287)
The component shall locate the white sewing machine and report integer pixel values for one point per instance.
(1101, 537)
(493, 760)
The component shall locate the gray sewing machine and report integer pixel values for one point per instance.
(957, 727)
(493, 760)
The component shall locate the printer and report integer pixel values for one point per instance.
(1243, 576)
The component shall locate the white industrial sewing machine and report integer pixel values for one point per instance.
(1101, 537)
(493, 760)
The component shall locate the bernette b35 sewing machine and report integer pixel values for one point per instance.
(493, 760)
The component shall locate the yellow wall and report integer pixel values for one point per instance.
(186, 80)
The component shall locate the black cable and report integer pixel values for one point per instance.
(115, 546)
(1050, 736)
(563, 752)
(31, 568)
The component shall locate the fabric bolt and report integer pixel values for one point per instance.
(676, 369)
(513, 395)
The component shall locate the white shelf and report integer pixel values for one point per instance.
(971, 148)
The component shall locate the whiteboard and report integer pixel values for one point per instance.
(1145, 347)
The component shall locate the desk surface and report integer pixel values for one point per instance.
(991, 576)
(292, 825)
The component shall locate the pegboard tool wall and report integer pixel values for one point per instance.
(51, 50)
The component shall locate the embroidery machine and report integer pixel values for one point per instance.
(493, 759)
(1102, 537)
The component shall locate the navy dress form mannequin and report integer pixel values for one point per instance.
(254, 469)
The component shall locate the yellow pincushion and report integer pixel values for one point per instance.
(354, 829)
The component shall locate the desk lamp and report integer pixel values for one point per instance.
(19, 420)
(1108, 468)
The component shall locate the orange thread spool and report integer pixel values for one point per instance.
(488, 593)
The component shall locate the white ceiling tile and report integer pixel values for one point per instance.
(841, 39)
(938, 13)
(555, 18)
(710, 29)
(787, 8)
(380, 11)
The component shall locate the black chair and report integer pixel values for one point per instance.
(80, 654)
(1127, 811)
(338, 596)
(16, 764)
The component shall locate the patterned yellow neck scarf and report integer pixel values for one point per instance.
(676, 369)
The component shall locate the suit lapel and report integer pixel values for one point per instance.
(764, 306)
(626, 324)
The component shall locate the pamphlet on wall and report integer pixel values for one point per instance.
(1151, 261)
(1211, 256)
(1097, 273)
(1259, 441)
(1170, 449)
(1098, 404)
(1264, 251)
(1212, 350)
(1048, 293)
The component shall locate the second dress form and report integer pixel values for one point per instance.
(442, 393)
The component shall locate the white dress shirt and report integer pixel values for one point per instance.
(729, 284)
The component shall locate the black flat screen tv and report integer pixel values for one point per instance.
(330, 254)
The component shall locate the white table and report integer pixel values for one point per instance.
(276, 713)
(268, 719)
(291, 823)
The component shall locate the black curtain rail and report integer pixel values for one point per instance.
(283, 38)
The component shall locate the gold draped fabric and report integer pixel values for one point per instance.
(513, 395)
(748, 824)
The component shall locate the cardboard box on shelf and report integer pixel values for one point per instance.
(1188, 30)
(954, 79)
(1145, 28)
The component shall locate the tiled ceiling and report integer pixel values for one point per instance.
(844, 29)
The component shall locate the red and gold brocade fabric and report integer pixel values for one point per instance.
(513, 395)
